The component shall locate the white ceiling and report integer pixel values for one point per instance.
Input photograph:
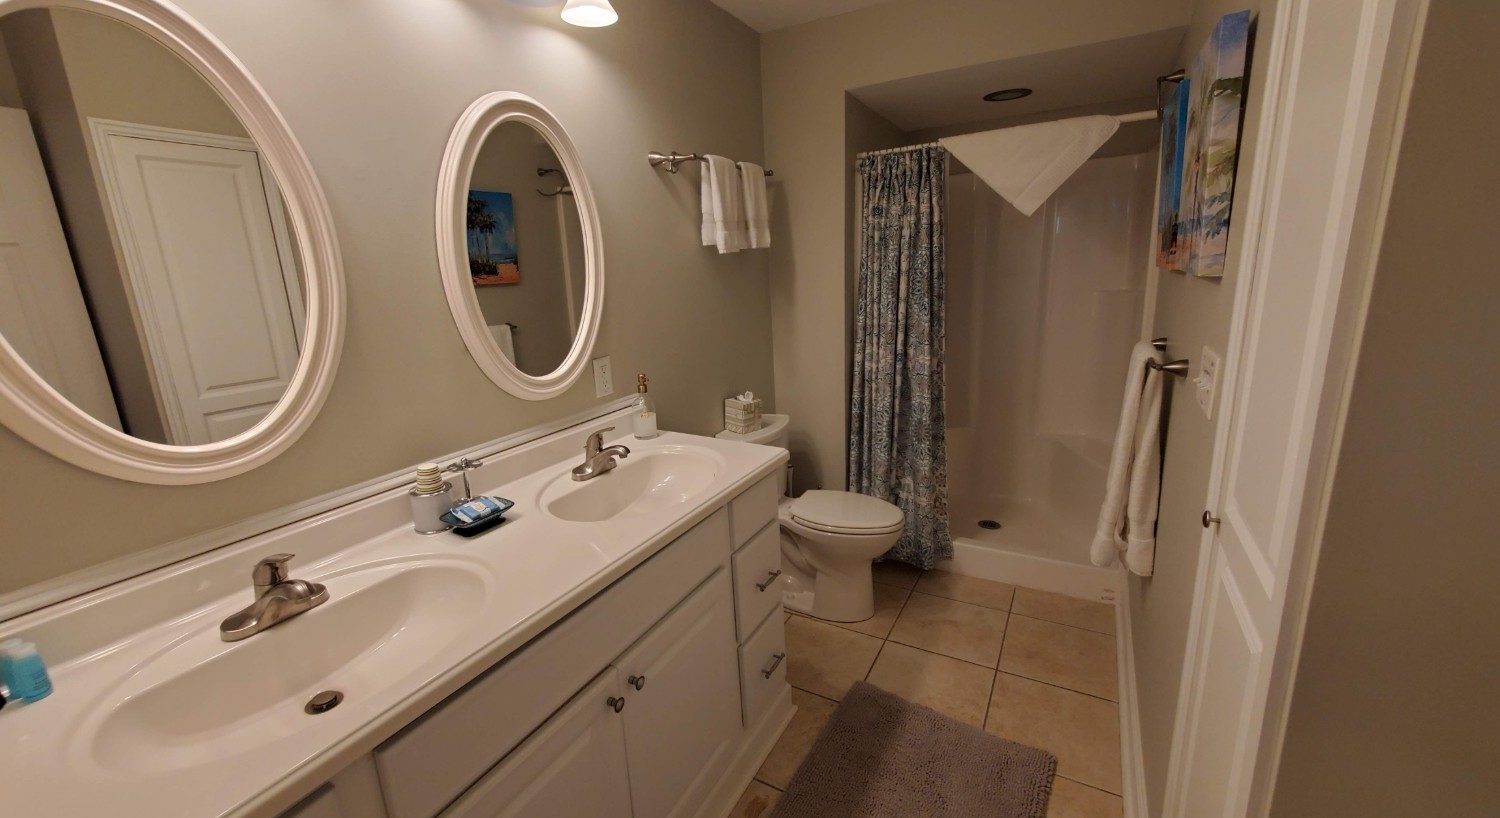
(1088, 75)
(769, 15)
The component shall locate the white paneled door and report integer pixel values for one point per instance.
(1323, 85)
(215, 282)
(42, 312)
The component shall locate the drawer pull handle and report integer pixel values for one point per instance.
(775, 663)
(637, 682)
(770, 578)
(616, 703)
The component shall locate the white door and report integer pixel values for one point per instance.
(682, 702)
(573, 766)
(215, 287)
(1324, 79)
(42, 312)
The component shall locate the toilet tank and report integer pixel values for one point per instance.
(775, 432)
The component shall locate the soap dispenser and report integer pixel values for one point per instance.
(643, 416)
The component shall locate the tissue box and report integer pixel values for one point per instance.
(741, 416)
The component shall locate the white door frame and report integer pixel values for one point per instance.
(1365, 157)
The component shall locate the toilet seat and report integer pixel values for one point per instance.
(845, 512)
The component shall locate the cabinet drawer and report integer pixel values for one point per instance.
(762, 673)
(428, 764)
(756, 591)
(752, 509)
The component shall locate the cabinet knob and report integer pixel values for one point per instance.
(775, 663)
(616, 703)
(770, 578)
(1209, 519)
(637, 682)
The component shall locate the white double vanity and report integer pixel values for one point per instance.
(615, 648)
(612, 649)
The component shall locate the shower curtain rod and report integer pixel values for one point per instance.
(1138, 116)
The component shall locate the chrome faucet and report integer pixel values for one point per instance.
(596, 458)
(277, 599)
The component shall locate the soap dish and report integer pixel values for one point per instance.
(477, 527)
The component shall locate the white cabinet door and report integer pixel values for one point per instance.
(573, 766)
(683, 702)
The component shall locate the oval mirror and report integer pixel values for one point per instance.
(519, 246)
(170, 290)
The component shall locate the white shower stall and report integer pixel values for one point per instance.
(1042, 312)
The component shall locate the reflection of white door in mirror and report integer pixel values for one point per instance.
(42, 312)
(221, 328)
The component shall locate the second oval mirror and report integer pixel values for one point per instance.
(518, 239)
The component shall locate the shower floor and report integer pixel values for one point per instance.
(1026, 527)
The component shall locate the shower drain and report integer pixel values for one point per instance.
(992, 525)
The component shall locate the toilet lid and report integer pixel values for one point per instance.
(846, 512)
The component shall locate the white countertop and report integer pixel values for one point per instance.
(111, 645)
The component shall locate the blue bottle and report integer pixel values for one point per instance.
(23, 671)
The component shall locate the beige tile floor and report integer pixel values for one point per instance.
(1031, 666)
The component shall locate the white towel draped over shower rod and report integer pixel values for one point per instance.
(1138, 116)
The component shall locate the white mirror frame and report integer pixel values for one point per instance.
(38, 413)
(483, 116)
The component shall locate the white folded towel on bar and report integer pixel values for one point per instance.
(723, 206)
(757, 213)
(1127, 521)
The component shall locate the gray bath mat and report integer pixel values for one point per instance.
(881, 756)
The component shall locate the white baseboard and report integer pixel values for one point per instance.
(1132, 759)
(976, 559)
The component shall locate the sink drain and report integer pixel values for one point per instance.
(992, 525)
(323, 702)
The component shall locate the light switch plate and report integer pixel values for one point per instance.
(1207, 381)
(604, 382)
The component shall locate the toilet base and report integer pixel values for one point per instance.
(845, 598)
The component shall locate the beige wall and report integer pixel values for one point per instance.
(1191, 312)
(372, 95)
(538, 305)
(1393, 708)
(806, 70)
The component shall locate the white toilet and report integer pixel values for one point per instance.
(828, 540)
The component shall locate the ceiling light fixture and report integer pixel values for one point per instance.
(589, 13)
(1007, 95)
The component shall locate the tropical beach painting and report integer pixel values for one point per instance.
(1169, 176)
(1216, 93)
(492, 239)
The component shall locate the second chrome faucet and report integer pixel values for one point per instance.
(598, 458)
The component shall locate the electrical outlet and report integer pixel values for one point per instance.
(604, 382)
(1207, 381)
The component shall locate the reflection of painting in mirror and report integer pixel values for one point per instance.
(534, 319)
(147, 270)
(492, 239)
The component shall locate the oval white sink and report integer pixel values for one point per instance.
(203, 698)
(650, 482)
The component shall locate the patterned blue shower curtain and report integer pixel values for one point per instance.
(897, 446)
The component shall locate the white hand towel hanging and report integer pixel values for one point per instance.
(723, 206)
(1127, 520)
(757, 212)
(1028, 163)
(505, 339)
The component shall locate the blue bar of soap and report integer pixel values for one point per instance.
(477, 509)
